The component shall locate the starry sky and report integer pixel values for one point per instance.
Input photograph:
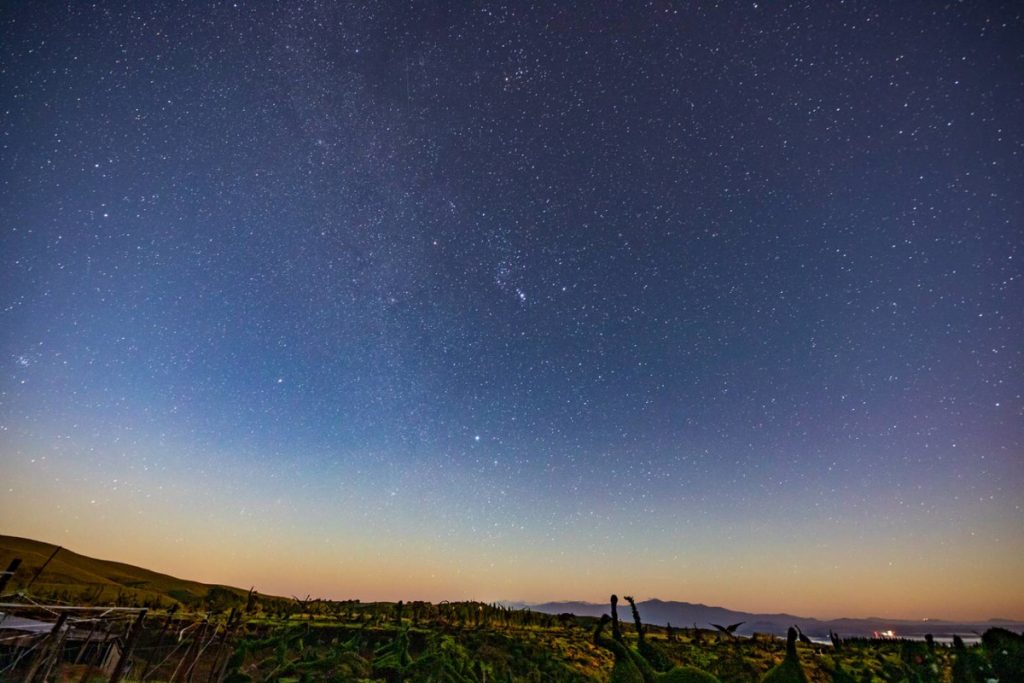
(717, 302)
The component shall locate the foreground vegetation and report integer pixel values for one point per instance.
(469, 642)
(478, 643)
(197, 632)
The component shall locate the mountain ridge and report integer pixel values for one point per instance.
(76, 573)
(80, 575)
(685, 614)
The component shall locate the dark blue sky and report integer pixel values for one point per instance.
(683, 268)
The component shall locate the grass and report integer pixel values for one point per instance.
(80, 578)
(280, 639)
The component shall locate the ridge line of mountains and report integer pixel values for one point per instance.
(79, 574)
(686, 614)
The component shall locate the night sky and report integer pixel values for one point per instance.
(698, 301)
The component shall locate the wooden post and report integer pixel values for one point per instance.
(93, 661)
(88, 639)
(157, 649)
(129, 644)
(56, 651)
(40, 570)
(220, 646)
(9, 574)
(184, 659)
(44, 648)
(200, 649)
(98, 653)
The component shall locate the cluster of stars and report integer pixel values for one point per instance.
(503, 278)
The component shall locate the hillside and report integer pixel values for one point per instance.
(77, 577)
(74, 577)
(276, 639)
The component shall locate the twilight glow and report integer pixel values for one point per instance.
(392, 301)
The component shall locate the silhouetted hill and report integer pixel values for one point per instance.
(686, 614)
(82, 576)
(104, 581)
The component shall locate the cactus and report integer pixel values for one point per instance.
(391, 660)
(624, 670)
(968, 665)
(841, 675)
(677, 674)
(445, 661)
(1005, 651)
(647, 650)
(616, 632)
(789, 670)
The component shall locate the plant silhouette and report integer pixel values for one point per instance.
(652, 653)
(1005, 650)
(624, 670)
(729, 630)
(968, 665)
(789, 670)
(677, 674)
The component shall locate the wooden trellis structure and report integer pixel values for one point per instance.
(40, 642)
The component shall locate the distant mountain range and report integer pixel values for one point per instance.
(106, 581)
(686, 614)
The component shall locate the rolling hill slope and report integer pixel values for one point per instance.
(81, 577)
(74, 577)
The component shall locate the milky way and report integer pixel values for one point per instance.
(707, 302)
